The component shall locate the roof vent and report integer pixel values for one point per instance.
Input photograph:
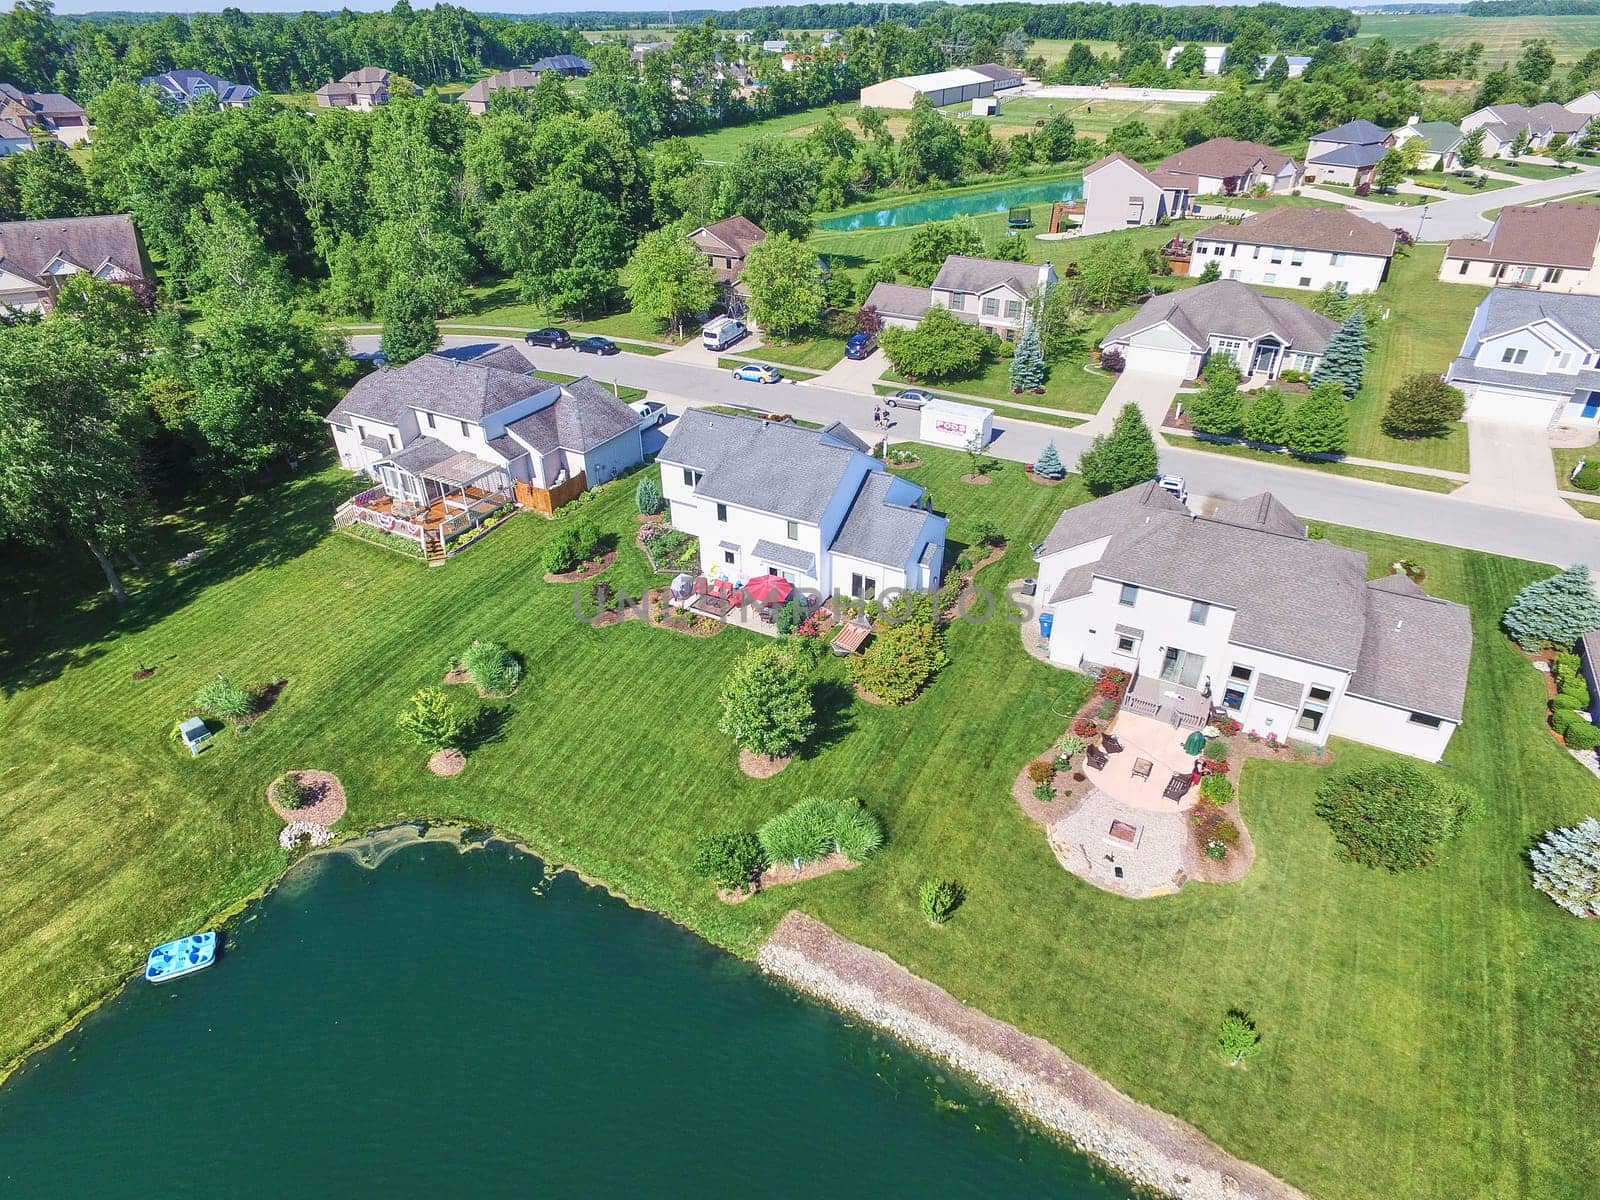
(1399, 625)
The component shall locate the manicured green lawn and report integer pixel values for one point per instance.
(497, 304)
(816, 354)
(1528, 170)
(1426, 483)
(1427, 322)
(1446, 181)
(1398, 199)
(1071, 387)
(1424, 1035)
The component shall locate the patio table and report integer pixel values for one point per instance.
(1142, 768)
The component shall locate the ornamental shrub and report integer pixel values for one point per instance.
(939, 899)
(1587, 478)
(1226, 832)
(1554, 612)
(766, 703)
(224, 700)
(900, 661)
(1423, 405)
(1215, 850)
(289, 791)
(1040, 771)
(1217, 789)
(1049, 464)
(1581, 735)
(730, 860)
(1563, 719)
(570, 546)
(856, 831)
(1072, 744)
(815, 827)
(647, 496)
(1570, 699)
(1237, 1037)
(1217, 749)
(1566, 867)
(431, 720)
(1394, 814)
(492, 667)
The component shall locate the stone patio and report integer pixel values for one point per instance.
(1118, 848)
(1162, 746)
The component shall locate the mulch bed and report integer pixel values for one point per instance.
(664, 616)
(781, 873)
(959, 605)
(1043, 482)
(979, 480)
(759, 766)
(327, 804)
(1241, 854)
(445, 763)
(1068, 793)
(902, 466)
(587, 571)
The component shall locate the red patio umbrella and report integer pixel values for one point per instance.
(769, 589)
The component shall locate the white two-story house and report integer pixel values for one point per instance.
(812, 506)
(1241, 612)
(440, 425)
(1551, 247)
(995, 295)
(1264, 336)
(1298, 248)
(1532, 358)
(1120, 194)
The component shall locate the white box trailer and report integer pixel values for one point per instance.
(946, 423)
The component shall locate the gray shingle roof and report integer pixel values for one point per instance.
(900, 300)
(1224, 158)
(585, 415)
(786, 556)
(1440, 136)
(1356, 154)
(504, 358)
(1416, 652)
(1306, 229)
(1274, 689)
(771, 466)
(962, 274)
(876, 529)
(1353, 133)
(421, 454)
(467, 391)
(1230, 308)
(1075, 582)
(1512, 308)
(1464, 370)
(28, 247)
(1263, 512)
(517, 77)
(1107, 515)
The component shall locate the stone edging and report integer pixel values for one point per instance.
(1152, 1148)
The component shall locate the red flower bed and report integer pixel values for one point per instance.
(1085, 728)
(1227, 726)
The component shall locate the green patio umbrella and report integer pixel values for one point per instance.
(1194, 743)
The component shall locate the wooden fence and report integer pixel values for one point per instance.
(547, 500)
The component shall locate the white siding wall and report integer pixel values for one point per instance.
(1317, 268)
(1461, 270)
(1110, 192)
(843, 566)
(744, 527)
(610, 459)
(1052, 567)
(1391, 728)
(1161, 347)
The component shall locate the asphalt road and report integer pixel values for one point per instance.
(1462, 216)
(1314, 495)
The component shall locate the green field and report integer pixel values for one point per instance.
(1570, 38)
(1092, 118)
(1425, 1036)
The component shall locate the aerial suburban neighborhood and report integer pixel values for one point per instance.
(957, 561)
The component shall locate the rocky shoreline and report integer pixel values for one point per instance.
(1151, 1148)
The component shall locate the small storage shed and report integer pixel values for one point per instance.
(986, 106)
(946, 423)
(194, 733)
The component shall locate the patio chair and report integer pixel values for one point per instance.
(1177, 787)
(1111, 745)
(1096, 758)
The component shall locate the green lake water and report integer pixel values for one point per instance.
(431, 1023)
(967, 204)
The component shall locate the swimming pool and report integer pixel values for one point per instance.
(942, 208)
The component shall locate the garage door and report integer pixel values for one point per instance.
(1515, 408)
(1157, 360)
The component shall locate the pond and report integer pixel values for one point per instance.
(411, 1020)
(967, 204)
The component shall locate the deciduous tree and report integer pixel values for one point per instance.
(1423, 405)
(1266, 418)
(766, 703)
(668, 277)
(942, 346)
(1321, 422)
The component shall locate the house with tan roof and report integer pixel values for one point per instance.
(1120, 194)
(1299, 248)
(1228, 167)
(1240, 613)
(476, 97)
(36, 256)
(1549, 247)
(726, 243)
(49, 113)
(449, 439)
(1174, 335)
(363, 90)
(995, 295)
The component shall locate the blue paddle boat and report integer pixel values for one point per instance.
(171, 960)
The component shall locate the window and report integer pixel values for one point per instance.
(863, 587)
(791, 530)
(1425, 720)
(691, 478)
(1563, 360)
(1515, 355)
(1553, 275)
(338, 428)
(1135, 212)
(361, 430)
(1013, 309)
(1242, 673)
(466, 431)
(958, 302)
(1497, 270)
(394, 441)
(722, 512)
(1233, 697)
(1233, 250)
(1297, 258)
(1229, 348)
(727, 557)
(1464, 265)
(1256, 253)
(1270, 277)
(1129, 597)
(1199, 610)
(1305, 281)
(991, 306)
(1125, 644)
(431, 424)
(1233, 274)
(1335, 259)
(1277, 256)
(1314, 709)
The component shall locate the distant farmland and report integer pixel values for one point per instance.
(1570, 38)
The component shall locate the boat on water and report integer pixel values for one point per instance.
(172, 960)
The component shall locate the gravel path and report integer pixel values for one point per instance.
(1150, 1147)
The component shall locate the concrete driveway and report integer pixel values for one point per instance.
(1151, 388)
(1512, 468)
(852, 374)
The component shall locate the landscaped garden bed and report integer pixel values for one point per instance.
(313, 797)
(668, 550)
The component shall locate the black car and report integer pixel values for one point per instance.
(556, 339)
(597, 345)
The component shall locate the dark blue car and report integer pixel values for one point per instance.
(861, 345)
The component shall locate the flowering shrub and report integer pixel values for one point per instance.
(1215, 850)
(1085, 728)
(1228, 727)
(1107, 686)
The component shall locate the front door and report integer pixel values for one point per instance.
(1266, 360)
(1591, 406)
(1182, 667)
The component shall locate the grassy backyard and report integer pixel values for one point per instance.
(1425, 1036)
(1448, 181)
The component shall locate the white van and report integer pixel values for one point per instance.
(721, 333)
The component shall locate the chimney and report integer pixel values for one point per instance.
(1413, 118)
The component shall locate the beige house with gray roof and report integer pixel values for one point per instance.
(995, 295)
(1239, 612)
(1298, 248)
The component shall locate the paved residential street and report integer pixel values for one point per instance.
(1462, 216)
(1405, 512)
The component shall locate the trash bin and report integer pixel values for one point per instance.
(1029, 586)
(1046, 622)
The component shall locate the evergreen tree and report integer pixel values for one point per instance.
(1266, 418)
(409, 330)
(1345, 360)
(1554, 612)
(647, 496)
(1219, 409)
(1122, 458)
(1321, 425)
(1566, 867)
(1027, 364)
(1049, 465)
